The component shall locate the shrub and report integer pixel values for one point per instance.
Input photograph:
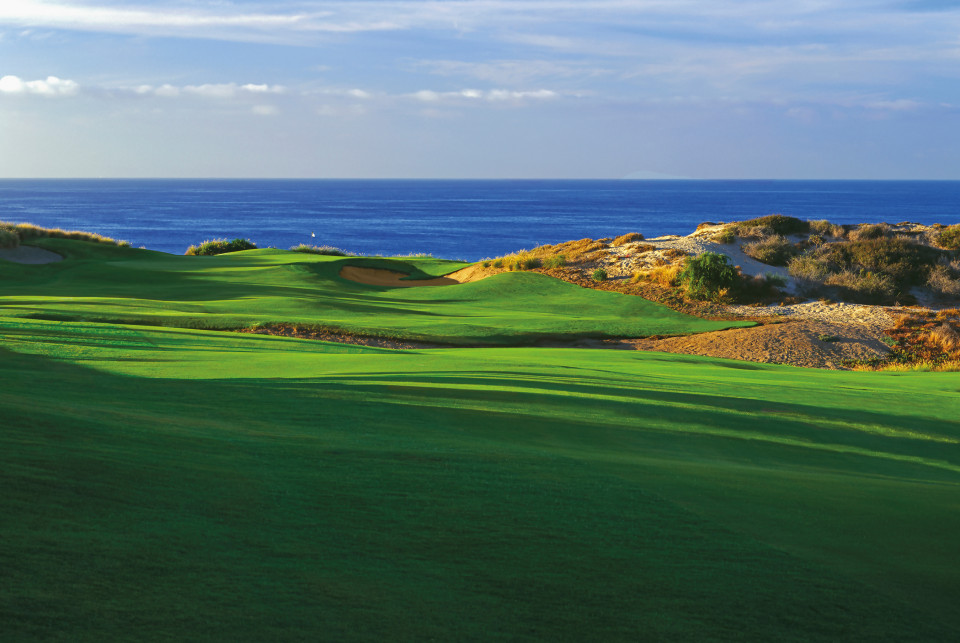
(9, 237)
(320, 250)
(529, 263)
(775, 250)
(945, 337)
(575, 251)
(864, 287)
(807, 267)
(823, 228)
(220, 246)
(674, 253)
(522, 260)
(27, 231)
(773, 279)
(599, 274)
(949, 237)
(727, 235)
(904, 261)
(869, 231)
(665, 276)
(627, 238)
(943, 282)
(754, 232)
(760, 287)
(778, 223)
(497, 263)
(828, 338)
(556, 261)
(707, 274)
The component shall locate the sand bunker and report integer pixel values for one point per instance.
(29, 254)
(394, 279)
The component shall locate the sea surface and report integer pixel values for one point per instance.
(468, 220)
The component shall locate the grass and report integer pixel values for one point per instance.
(627, 238)
(870, 268)
(949, 237)
(13, 234)
(775, 250)
(774, 223)
(191, 484)
(220, 246)
(320, 250)
(263, 287)
(170, 483)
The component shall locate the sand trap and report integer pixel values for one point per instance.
(29, 254)
(394, 279)
(390, 278)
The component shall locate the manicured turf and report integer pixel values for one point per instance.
(184, 484)
(167, 483)
(105, 283)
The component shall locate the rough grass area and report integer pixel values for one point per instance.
(13, 234)
(220, 246)
(924, 339)
(949, 237)
(775, 250)
(774, 223)
(868, 268)
(175, 484)
(321, 250)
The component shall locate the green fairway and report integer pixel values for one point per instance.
(109, 284)
(176, 483)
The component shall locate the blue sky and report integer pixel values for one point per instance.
(480, 89)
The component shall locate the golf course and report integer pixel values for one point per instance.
(165, 477)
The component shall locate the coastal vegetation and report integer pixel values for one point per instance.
(220, 246)
(13, 234)
(320, 250)
(708, 276)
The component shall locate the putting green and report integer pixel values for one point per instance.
(122, 285)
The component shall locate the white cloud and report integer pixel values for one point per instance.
(52, 86)
(513, 72)
(265, 110)
(209, 20)
(167, 91)
(492, 95)
(263, 89)
(209, 90)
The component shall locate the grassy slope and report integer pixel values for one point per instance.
(173, 483)
(169, 482)
(103, 283)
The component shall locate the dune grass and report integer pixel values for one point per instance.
(175, 483)
(259, 287)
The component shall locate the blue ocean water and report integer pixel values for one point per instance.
(455, 219)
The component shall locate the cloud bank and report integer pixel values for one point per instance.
(52, 86)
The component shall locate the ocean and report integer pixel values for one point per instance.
(459, 219)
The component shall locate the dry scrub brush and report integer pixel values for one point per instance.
(775, 250)
(551, 256)
(13, 234)
(627, 238)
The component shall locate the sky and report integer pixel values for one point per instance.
(808, 89)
